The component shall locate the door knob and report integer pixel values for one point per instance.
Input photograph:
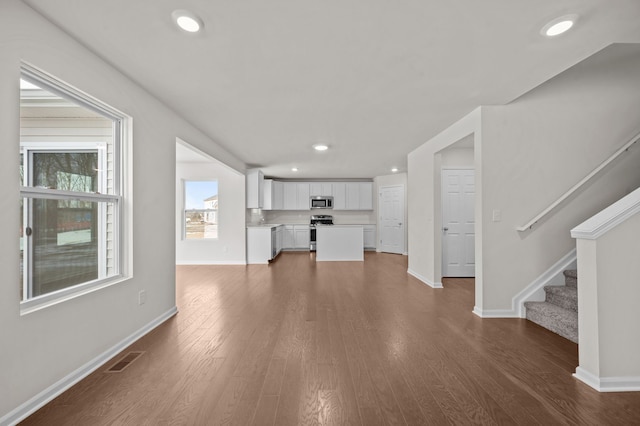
(445, 229)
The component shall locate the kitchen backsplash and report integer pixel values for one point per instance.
(340, 217)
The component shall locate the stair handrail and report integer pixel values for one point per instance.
(577, 186)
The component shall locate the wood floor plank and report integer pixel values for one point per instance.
(297, 342)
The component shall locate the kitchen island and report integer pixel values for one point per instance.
(339, 243)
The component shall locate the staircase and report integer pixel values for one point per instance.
(559, 311)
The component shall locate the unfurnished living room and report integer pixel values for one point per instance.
(294, 213)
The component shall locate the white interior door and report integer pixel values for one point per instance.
(391, 208)
(458, 224)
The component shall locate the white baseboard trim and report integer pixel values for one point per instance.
(608, 384)
(495, 313)
(32, 405)
(517, 303)
(210, 262)
(424, 279)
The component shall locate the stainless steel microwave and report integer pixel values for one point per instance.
(321, 202)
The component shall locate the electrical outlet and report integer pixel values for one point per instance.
(497, 216)
(142, 297)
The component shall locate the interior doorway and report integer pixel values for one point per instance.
(458, 222)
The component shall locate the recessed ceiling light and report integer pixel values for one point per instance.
(394, 170)
(320, 147)
(187, 21)
(294, 169)
(559, 25)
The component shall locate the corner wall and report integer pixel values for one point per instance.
(423, 192)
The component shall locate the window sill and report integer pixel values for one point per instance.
(54, 298)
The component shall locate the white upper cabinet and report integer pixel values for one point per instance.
(339, 196)
(359, 196)
(353, 196)
(277, 193)
(267, 194)
(296, 195)
(255, 187)
(273, 195)
(303, 196)
(320, 188)
(290, 194)
(365, 194)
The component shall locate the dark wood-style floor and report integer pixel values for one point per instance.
(300, 343)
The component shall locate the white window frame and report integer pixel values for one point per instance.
(121, 187)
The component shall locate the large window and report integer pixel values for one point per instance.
(201, 209)
(71, 198)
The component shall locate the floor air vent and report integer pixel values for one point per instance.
(124, 362)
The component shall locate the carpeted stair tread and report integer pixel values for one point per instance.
(555, 318)
(563, 296)
(571, 277)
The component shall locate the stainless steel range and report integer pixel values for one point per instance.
(318, 219)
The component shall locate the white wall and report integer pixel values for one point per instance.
(536, 148)
(229, 247)
(457, 158)
(79, 331)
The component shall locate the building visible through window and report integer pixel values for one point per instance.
(201, 209)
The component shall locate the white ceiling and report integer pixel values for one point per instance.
(373, 79)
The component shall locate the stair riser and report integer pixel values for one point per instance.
(562, 301)
(565, 328)
(559, 312)
(571, 278)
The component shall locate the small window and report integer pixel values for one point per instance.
(71, 198)
(200, 209)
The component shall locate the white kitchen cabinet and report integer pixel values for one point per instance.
(273, 197)
(359, 196)
(279, 239)
(261, 244)
(301, 236)
(303, 196)
(353, 196)
(290, 194)
(267, 194)
(255, 187)
(339, 195)
(366, 195)
(288, 238)
(320, 188)
(296, 196)
(277, 196)
(369, 236)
